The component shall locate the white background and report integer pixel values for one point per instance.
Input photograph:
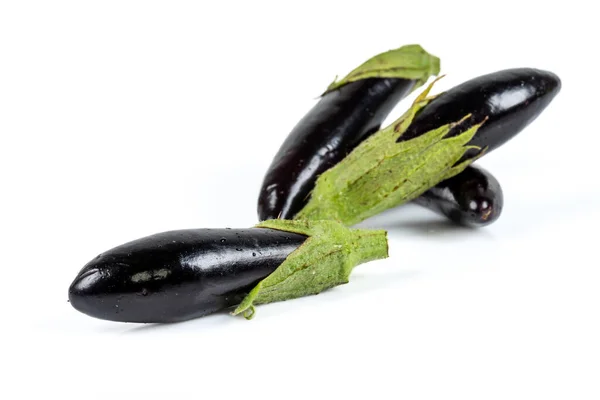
(120, 119)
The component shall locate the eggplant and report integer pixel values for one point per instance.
(473, 198)
(507, 100)
(178, 275)
(339, 122)
(349, 111)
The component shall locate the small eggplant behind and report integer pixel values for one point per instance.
(179, 275)
(473, 198)
(347, 113)
(508, 101)
(340, 121)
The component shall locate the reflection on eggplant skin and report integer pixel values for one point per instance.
(510, 98)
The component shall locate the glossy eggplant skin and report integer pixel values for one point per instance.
(339, 122)
(509, 99)
(472, 198)
(179, 275)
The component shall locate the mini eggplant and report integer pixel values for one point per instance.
(504, 101)
(472, 198)
(332, 128)
(507, 101)
(179, 275)
(346, 114)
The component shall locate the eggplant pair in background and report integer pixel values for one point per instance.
(504, 102)
(179, 275)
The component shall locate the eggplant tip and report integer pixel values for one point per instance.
(553, 82)
(82, 289)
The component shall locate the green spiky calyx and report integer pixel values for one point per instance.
(323, 261)
(381, 173)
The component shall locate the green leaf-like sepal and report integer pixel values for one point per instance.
(324, 260)
(407, 62)
(381, 173)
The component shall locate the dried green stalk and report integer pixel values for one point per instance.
(382, 173)
(407, 62)
(323, 261)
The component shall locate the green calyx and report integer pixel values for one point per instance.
(407, 62)
(324, 260)
(381, 173)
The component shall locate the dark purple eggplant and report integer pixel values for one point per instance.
(472, 198)
(339, 122)
(507, 100)
(179, 275)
